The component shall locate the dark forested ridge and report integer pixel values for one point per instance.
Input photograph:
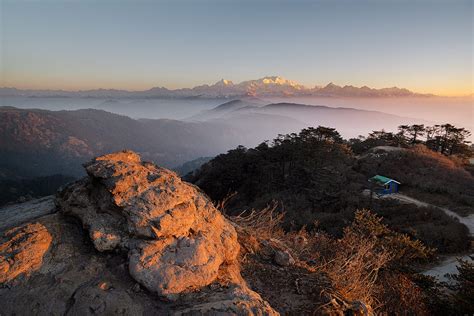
(14, 191)
(42, 143)
(314, 176)
(39, 142)
(446, 139)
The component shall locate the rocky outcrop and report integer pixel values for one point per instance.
(22, 250)
(175, 238)
(236, 300)
(143, 224)
(230, 295)
(62, 274)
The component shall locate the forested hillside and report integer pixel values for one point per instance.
(315, 178)
(40, 143)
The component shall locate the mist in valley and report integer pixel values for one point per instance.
(256, 122)
(154, 108)
(433, 109)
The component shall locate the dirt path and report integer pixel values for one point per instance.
(468, 220)
(448, 264)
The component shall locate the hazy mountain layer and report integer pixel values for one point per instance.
(37, 143)
(267, 86)
(290, 117)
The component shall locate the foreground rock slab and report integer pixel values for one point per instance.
(61, 274)
(13, 215)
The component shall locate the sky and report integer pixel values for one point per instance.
(425, 46)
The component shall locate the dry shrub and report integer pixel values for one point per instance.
(306, 246)
(254, 227)
(400, 295)
(354, 267)
(449, 162)
(366, 259)
(362, 266)
(351, 263)
(404, 250)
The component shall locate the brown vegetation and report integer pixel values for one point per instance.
(332, 274)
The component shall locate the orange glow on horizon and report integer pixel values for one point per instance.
(76, 85)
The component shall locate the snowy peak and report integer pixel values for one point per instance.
(332, 89)
(275, 81)
(269, 86)
(224, 83)
(278, 81)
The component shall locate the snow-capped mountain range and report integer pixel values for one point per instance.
(273, 86)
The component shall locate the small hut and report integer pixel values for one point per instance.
(384, 185)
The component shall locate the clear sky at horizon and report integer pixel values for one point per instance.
(425, 46)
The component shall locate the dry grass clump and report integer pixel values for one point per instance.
(354, 267)
(404, 250)
(255, 228)
(368, 259)
(400, 295)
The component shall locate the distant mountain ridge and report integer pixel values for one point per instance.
(39, 143)
(271, 86)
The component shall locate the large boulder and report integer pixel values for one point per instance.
(175, 238)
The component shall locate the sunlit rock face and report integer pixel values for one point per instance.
(22, 250)
(175, 238)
